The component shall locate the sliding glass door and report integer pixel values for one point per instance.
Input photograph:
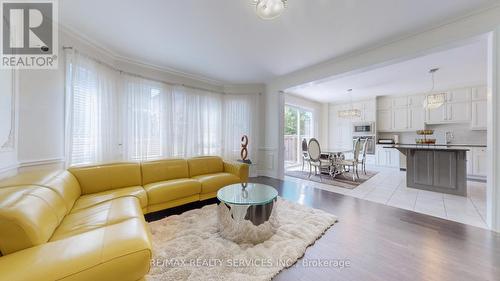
(298, 126)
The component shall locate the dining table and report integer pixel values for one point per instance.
(336, 155)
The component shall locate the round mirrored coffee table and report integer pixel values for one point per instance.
(247, 212)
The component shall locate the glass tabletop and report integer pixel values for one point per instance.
(253, 194)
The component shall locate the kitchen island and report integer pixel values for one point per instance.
(439, 168)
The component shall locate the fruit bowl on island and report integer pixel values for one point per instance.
(425, 140)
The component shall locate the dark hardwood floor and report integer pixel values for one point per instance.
(385, 243)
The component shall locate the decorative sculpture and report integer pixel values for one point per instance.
(244, 150)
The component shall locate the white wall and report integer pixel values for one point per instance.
(8, 158)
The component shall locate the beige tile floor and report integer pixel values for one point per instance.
(388, 187)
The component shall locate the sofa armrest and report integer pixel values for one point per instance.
(238, 169)
(117, 252)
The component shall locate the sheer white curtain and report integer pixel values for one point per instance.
(240, 118)
(196, 124)
(112, 116)
(146, 124)
(90, 111)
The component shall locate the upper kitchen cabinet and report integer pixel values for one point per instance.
(400, 114)
(384, 120)
(368, 111)
(479, 108)
(456, 108)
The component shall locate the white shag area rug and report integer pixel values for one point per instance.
(189, 247)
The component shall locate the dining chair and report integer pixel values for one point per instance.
(315, 159)
(363, 155)
(305, 154)
(354, 162)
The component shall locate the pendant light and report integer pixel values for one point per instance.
(269, 9)
(350, 113)
(433, 100)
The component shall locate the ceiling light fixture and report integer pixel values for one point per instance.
(349, 113)
(269, 9)
(434, 101)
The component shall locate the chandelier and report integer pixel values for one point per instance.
(434, 101)
(349, 113)
(269, 9)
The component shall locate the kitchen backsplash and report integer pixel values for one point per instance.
(462, 134)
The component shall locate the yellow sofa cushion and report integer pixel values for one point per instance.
(120, 251)
(66, 185)
(164, 170)
(62, 182)
(107, 213)
(161, 192)
(100, 178)
(90, 200)
(213, 182)
(28, 216)
(205, 165)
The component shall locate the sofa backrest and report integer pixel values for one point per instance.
(205, 165)
(164, 170)
(29, 216)
(66, 185)
(98, 178)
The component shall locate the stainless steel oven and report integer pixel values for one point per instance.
(363, 129)
(370, 146)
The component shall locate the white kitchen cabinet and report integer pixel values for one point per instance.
(459, 95)
(400, 120)
(458, 112)
(477, 158)
(384, 120)
(416, 117)
(384, 103)
(479, 115)
(399, 102)
(450, 113)
(468, 155)
(479, 93)
(480, 162)
(402, 114)
(456, 108)
(436, 115)
(416, 101)
(387, 157)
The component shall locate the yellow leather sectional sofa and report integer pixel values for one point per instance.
(87, 223)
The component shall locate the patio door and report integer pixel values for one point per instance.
(298, 126)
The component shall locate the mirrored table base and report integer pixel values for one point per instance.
(252, 224)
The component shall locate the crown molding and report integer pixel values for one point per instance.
(117, 57)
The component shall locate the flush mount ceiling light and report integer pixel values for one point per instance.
(350, 113)
(269, 9)
(434, 101)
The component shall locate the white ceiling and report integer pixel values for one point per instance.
(459, 67)
(226, 41)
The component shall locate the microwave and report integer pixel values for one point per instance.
(363, 129)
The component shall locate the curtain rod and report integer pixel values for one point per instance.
(144, 77)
